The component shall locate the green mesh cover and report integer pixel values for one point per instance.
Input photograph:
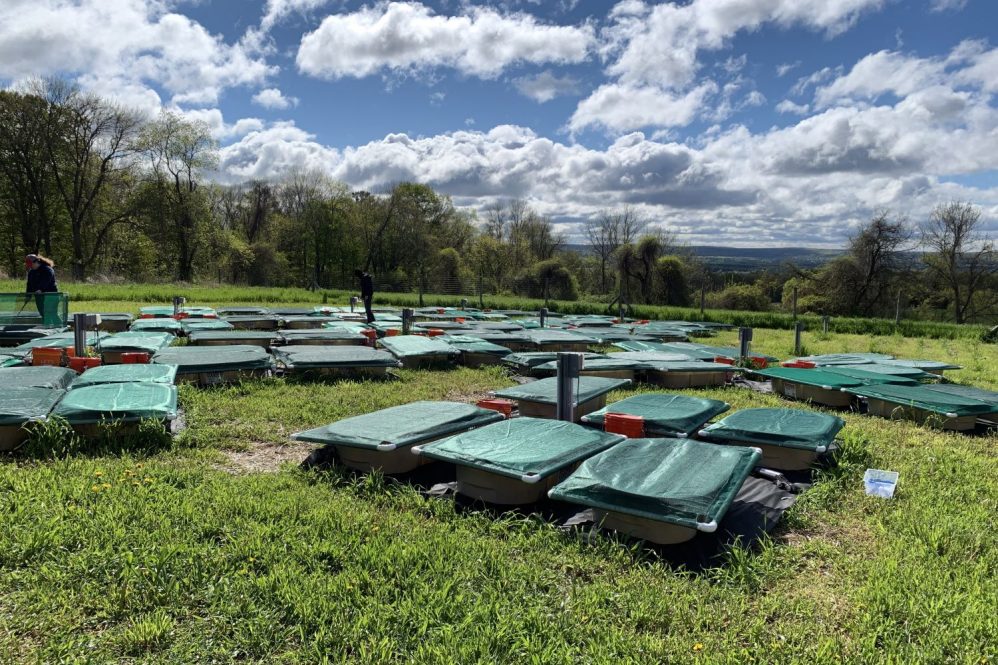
(970, 392)
(398, 426)
(119, 401)
(498, 326)
(549, 337)
(255, 312)
(132, 373)
(37, 377)
(815, 377)
(19, 405)
(715, 351)
(924, 397)
(148, 342)
(237, 319)
(531, 359)
(199, 312)
(416, 346)
(471, 344)
(501, 338)
(880, 368)
(651, 356)
(347, 326)
(669, 347)
(846, 358)
(868, 374)
(441, 325)
(165, 311)
(314, 357)
(678, 481)
(329, 334)
(690, 366)
(192, 325)
(545, 391)
(156, 325)
(60, 341)
(308, 321)
(232, 336)
(522, 447)
(116, 316)
(10, 361)
(195, 359)
(926, 365)
(664, 414)
(791, 428)
(609, 335)
(609, 364)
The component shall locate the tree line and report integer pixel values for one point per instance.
(107, 192)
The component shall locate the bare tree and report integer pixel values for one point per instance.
(90, 142)
(607, 232)
(874, 255)
(960, 256)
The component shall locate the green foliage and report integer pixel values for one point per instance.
(740, 297)
(548, 280)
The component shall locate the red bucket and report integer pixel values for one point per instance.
(135, 358)
(503, 406)
(80, 365)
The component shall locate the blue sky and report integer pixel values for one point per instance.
(745, 122)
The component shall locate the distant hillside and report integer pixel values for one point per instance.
(749, 259)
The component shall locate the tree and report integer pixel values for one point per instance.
(960, 257)
(179, 152)
(607, 232)
(89, 142)
(670, 272)
(873, 252)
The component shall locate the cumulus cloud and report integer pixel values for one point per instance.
(787, 106)
(409, 37)
(619, 108)
(277, 10)
(657, 48)
(546, 86)
(123, 46)
(273, 98)
(220, 129)
(270, 153)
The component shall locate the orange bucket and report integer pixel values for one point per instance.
(50, 357)
(633, 427)
(80, 365)
(371, 335)
(724, 360)
(393, 332)
(503, 406)
(799, 364)
(135, 358)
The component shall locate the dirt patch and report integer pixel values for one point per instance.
(265, 457)
(462, 396)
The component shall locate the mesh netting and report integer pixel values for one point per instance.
(924, 397)
(49, 310)
(793, 428)
(137, 373)
(545, 391)
(19, 405)
(664, 414)
(119, 401)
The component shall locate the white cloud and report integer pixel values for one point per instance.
(786, 68)
(656, 48)
(546, 86)
(273, 98)
(947, 5)
(221, 130)
(787, 106)
(122, 46)
(619, 108)
(277, 10)
(408, 37)
(270, 153)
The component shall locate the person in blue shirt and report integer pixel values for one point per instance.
(41, 279)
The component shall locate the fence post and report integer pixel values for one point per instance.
(798, 329)
(353, 303)
(407, 315)
(794, 303)
(569, 367)
(897, 310)
(543, 316)
(744, 342)
(824, 324)
(80, 334)
(703, 298)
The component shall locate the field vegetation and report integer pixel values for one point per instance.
(207, 548)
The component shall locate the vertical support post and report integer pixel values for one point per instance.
(569, 367)
(80, 334)
(353, 303)
(897, 309)
(703, 298)
(544, 316)
(464, 303)
(178, 304)
(798, 329)
(794, 303)
(744, 342)
(481, 292)
(407, 316)
(620, 313)
(824, 323)
(325, 298)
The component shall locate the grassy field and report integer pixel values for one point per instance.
(216, 547)
(129, 297)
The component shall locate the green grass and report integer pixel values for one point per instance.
(152, 554)
(129, 297)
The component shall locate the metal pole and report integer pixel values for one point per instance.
(703, 298)
(620, 313)
(824, 324)
(544, 316)
(798, 329)
(569, 367)
(744, 342)
(897, 309)
(80, 334)
(464, 303)
(178, 303)
(353, 303)
(794, 303)
(407, 316)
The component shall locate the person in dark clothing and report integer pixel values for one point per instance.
(41, 279)
(366, 292)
